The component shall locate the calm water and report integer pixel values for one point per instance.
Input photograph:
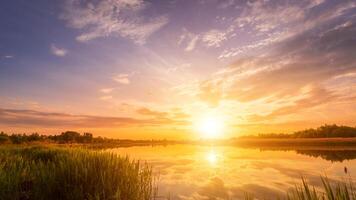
(209, 172)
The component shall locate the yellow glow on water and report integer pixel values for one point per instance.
(233, 165)
(212, 157)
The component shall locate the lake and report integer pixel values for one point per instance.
(187, 172)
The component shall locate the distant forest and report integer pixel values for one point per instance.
(325, 131)
(65, 137)
(69, 137)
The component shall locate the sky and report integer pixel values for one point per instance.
(152, 69)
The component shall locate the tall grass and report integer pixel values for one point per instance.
(337, 191)
(304, 191)
(53, 173)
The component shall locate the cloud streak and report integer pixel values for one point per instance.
(32, 118)
(60, 52)
(297, 73)
(120, 18)
(149, 112)
(211, 38)
(122, 79)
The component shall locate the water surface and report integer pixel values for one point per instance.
(225, 172)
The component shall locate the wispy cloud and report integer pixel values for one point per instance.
(107, 97)
(106, 94)
(149, 112)
(61, 52)
(106, 90)
(32, 118)
(192, 43)
(269, 22)
(8, 56)
(188, 39)
(253, 46)
(122, 78)
(211, 38)
(104, 18)
(303, 72)
(214, 38)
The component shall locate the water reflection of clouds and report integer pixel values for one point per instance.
(216, 189)
(201, 173)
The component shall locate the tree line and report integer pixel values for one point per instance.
(325, 131)
(64, 137)
(70, 137)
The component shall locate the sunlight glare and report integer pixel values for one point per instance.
(212, 157)
(210, 127)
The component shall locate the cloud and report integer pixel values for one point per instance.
(258, 44)
(120, 18)
(295, 74)
(106, 93)
(214, 38)
(226, 4)
(192, 43)
(188, 39)
(316, 97)
(60, 52)
(8, 56)
(108, 97)
(32, 118)
(106, 90)
(210, 92)
(264, 22)
(211, 38)
(178, 113)
(269, 22)
(149, 112)
(122, 78)
(263, 16)
(179, 68)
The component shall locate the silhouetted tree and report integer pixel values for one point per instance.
(69, 136)
(3, 137)
(18, 138)
(33, 137)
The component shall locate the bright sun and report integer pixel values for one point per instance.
(210, 127)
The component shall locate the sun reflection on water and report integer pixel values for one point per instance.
(212, 157)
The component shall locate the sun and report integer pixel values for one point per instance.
(210, 126)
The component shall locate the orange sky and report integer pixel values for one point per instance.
(147, 70)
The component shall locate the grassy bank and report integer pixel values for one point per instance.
(63, 173)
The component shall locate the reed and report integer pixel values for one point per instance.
(343, 190)
(63, 173)
(337, 191)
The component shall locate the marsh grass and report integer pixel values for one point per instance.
(338, 191)
(57, 173)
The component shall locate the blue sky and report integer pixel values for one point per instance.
(261, 65)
